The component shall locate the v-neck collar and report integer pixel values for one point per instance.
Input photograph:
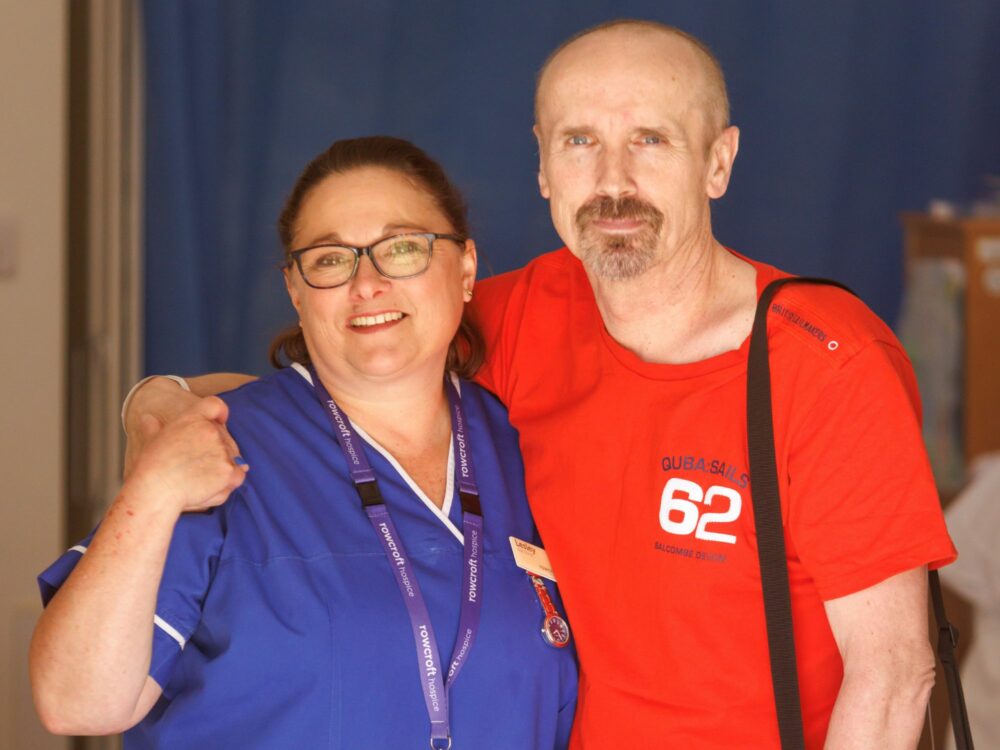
(443, 513)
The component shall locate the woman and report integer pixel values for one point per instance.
(357, 588)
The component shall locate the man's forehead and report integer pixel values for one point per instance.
(612, 108)
(606, 63)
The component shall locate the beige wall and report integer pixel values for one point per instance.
(32, 331)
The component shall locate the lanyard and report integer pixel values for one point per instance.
(435, 685)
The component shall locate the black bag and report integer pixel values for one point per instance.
(771, 549)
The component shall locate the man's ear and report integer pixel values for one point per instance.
(721, 155)
(543, 182)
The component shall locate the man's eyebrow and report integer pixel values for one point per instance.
(666, 131)
(565, 130)
(662, 131)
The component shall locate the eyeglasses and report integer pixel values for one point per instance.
(398, 257)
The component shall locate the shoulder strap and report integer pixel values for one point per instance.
(771, 548)
(947, 641)
(770, 530)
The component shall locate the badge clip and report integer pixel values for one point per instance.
(531, 558)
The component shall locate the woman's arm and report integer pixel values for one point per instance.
(164, 400)
(90, 653)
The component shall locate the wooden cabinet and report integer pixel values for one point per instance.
(975, 243)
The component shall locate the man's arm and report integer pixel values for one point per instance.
(882, 635)
(215, 383)
(164, 400)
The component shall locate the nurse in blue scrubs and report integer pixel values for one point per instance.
(347, 580)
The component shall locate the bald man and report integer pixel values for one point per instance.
(622, 358)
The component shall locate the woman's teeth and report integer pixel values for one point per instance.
(374, 320)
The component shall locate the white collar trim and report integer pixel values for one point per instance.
(449, 490)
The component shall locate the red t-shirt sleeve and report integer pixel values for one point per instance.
(863, 505)
(492, 310)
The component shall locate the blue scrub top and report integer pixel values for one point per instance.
(279, 623)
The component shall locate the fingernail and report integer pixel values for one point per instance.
(239, 461)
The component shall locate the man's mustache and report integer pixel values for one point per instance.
(630, 208)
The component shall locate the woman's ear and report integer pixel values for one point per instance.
(470, 262)
(290, 285)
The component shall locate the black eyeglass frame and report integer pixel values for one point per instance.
(296, 255)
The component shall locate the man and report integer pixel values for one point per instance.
(623, 361)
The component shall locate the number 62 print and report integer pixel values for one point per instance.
(681, 510)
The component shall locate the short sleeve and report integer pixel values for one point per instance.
(53, 577)
(490, 309)
(187, 575)
(862, 503)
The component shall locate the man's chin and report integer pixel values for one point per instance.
(617, 261)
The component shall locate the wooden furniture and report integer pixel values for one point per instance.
(974, 242)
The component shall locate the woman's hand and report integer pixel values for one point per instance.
(164, 401)
(161, 400)
(191, 464)
(90, 653)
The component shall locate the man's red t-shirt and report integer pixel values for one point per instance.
(638, 478)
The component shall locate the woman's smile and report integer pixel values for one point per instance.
(373, 322)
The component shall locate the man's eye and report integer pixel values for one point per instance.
(578, 140)
(651, 140)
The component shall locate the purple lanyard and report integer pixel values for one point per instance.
(432, 681)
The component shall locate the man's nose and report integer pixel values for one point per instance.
(614, 176)
(367, 281)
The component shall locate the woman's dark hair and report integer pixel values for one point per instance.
(466, 351)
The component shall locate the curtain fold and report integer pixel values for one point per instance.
(849, 113)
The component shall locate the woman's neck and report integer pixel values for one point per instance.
(409, 418)
(412, 406)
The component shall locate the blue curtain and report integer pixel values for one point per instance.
(850, 113)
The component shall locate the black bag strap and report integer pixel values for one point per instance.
(771, 547)
(766, 502)
(947, 641)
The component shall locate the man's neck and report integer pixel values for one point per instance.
(695, 304)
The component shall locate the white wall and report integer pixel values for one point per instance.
(32, 334)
